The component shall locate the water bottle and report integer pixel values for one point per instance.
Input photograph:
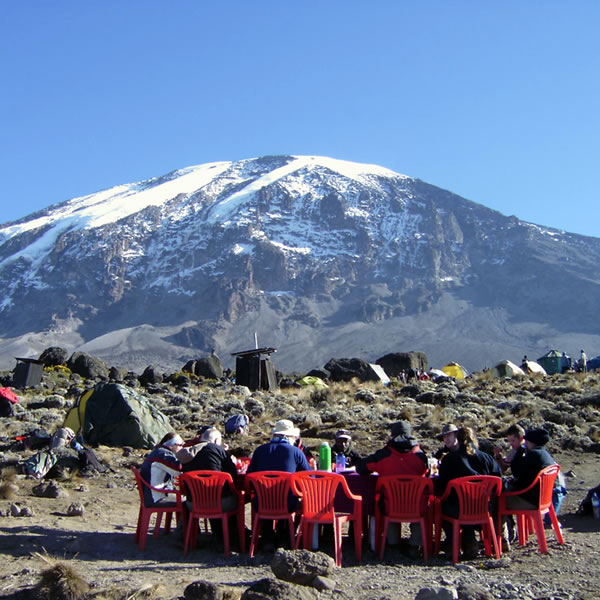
(596, 506)
(325, 457)
(340, 462)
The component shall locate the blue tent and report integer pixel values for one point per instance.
(593, 364)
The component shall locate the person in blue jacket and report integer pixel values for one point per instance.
(280, 454)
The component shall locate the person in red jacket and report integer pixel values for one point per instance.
(400, 456)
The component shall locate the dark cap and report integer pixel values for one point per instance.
(539, 437)
(343, 433)
(449, 428)
(402, 432)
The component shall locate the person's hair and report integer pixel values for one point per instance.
(466, 438)
(516, 430)
(167, 437)
(212, 434)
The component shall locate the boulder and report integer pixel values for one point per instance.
(118, 374)
(301, 566)
(88, 366)
(397, 362)
(346, 369)
(151, 376)
(53, 356)
(209, 367)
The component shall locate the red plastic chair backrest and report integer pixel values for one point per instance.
(474, 493)
(272, 490)
(140, 484)
(405, 496)
(317, 489)
(204, 489)
(547, 477)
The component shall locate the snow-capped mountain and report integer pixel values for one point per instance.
(320, 257)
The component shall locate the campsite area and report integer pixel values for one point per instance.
(99, 544)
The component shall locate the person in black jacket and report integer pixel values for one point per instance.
(214, 457)
(468, 460)
(343, 445)
(536, 458)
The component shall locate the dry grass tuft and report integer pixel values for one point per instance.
(8, 484)
(146, 592)
(60, 581)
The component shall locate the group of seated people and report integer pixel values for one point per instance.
(459, 456)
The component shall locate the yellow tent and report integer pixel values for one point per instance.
(455, 370)
(75, 418)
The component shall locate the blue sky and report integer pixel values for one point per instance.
(496, 101)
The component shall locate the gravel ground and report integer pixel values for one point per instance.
(100, 546)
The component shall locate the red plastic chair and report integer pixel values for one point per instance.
(146, 512)
(545, 479)
(474, 495)
(271, 489)
(317, 490)
(407, 499)
(205, 489)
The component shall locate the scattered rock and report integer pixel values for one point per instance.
(275, 589)
(439, 593)
(75, 509)
(322, 583)
(49, 489)
(473, 591)
(501, 563)
(301, 566)
(207, 590)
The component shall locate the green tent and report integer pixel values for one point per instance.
(552, 362)
(115, 415)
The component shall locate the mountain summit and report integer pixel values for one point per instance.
(320, 257)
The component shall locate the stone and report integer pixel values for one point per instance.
(203, 590)
(54, 356)
(15, 510)
(151, 376)
(501, 563)
(54, 401)
(87, 366)
(301, 566)
(322, 583)
(206, 590)
(346, 369)
(75, 509)
(49, 489)
(438, 593)
(209, 367)
(117, 374)
(473, 591)
(26, 511)
(274, 589)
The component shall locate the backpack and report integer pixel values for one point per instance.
(39, 464)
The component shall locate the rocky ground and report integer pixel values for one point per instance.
(98, 541)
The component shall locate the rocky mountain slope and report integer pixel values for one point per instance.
(320, 257)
